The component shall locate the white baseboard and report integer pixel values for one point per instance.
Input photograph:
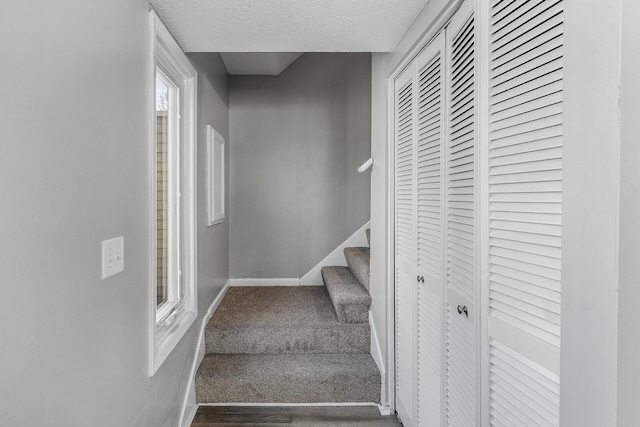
(384, 410)
(376, 353)
(189, 405)
(293, 404)
(336, 257)
(265, 282)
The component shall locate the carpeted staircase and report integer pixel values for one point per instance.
(302, 344)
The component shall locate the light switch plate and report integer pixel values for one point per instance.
(112, 256)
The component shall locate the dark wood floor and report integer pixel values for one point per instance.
(273, 416)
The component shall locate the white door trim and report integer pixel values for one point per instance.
(482, 11)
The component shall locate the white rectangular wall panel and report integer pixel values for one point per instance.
(215, 176)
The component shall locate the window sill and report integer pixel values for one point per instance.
(166, 338)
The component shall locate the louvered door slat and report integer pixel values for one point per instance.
(505, 274)
(499, 5)
(523, 388)
(463, 104)
(527, 99)
(463, 97)
(525, 210)
(529, 15)
(535, 59)
(529, 76)
(521, 35)
(526, 241)
(502, 10)
(405, 243)
(526, 247)
(545, 108)
(521, 293)
(530, 43)
(430, 232)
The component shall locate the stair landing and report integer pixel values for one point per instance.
(281, 320)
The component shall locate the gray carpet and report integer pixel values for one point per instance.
(296, 319)
(299, 344)
(358, 262)
(288, 378)
(350, 299)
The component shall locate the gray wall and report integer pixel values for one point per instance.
(213, 242)
(73, 172)
(629, 289)
(296, 142)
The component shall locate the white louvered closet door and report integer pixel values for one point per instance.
(430, 73)
(460, 327)
(405, 277)
(525, 212)
(435, 238)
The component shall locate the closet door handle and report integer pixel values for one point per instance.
(463, 309)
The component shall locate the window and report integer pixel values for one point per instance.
(173, 198)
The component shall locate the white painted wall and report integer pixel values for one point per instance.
(629, 288)
(383, 65)
(591, 162)
(73, 131)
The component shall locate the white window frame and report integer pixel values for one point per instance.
(169, 306)
(170, 321)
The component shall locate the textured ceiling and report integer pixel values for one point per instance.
(288, 25)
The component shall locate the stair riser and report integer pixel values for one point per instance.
(339, 339)
(349, 298)
(288, 379)
(287, 390)
(352, 313)
(358, 262)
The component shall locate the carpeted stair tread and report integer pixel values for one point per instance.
(350, 299)
(282, 319)
(288, 378)
(358, 262)
(368, 236)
